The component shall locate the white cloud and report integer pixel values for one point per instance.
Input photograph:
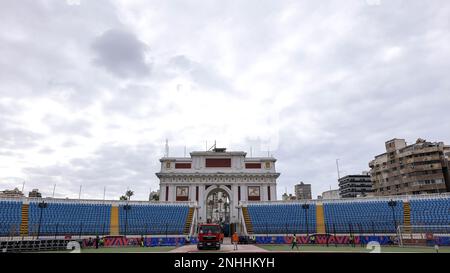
(391, 53)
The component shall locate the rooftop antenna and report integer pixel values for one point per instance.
(337, 166)
(206, 147)
(214, 146)
(53, 194)
(79, 194)
(104, 193)
(23, 185)
(184, 150)
(167, 148)
(251, 151)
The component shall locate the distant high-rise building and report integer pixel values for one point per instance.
(355, 185)
(303, 191)
(422, 167)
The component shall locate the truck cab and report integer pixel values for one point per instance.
(209, 236)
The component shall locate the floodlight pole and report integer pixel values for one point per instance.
(127, 207)
(306, 208)
(42, 206)
(393, 204)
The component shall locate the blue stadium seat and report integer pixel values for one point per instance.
(10, 217)
(430, 211)
(345, 216)
(153, 219)
(70, 219)
(362, 216)
(282, 218)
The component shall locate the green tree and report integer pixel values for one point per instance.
(129, 193)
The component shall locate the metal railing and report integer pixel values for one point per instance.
(82, 229)
(404, 198)
(356, 228)
(27, 200)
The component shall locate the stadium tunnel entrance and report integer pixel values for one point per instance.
(218, 205)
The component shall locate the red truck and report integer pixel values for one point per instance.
(209, 236)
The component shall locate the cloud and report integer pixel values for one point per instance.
(90, 92)
(121, 53)
(18, 138)
(113, 166)
(72, 127)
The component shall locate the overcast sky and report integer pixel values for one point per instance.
(90, 90)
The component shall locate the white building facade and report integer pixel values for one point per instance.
(331, 194)
(217, 181)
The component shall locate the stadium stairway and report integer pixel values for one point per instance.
(248, 222)
(114, 226)
(406, 215)
(320, 219)
(24, 223)
(187, 226)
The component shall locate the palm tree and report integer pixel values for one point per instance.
(123, 197)
(129, 193)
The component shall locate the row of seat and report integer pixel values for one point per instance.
(152, 219)
(372, 216)
(285, 218)
(10, 217)
(430, 212)
(77, 218)
(69, 218)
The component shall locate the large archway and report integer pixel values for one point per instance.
(218, 206)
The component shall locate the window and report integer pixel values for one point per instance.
(253, 165)
(182, 165)
(218, 162)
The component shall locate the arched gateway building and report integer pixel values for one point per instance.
(217, 180)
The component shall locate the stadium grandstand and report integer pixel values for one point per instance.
(381, 215)
(53, 217)
(32, 221)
